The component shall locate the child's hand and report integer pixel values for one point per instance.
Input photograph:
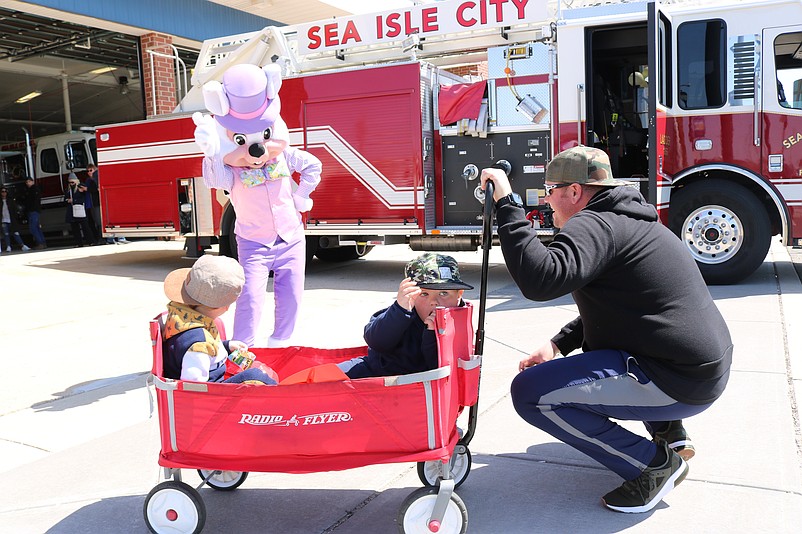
(237, 345)
(429, 322)
(408, 291)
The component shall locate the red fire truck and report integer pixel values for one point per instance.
(699, 103)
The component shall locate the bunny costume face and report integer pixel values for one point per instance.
(246, 107)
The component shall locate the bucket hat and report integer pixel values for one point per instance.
(213, 281)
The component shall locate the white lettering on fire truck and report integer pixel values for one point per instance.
(296, 420)
(451, 16)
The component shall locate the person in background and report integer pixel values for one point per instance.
(31, 199)
(93, 202)
(651, 350)
(76, 196)
(93, 187)
(10, 220)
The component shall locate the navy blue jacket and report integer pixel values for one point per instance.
(398, 343)
(174, 348)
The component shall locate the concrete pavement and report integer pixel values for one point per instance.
(80, 451)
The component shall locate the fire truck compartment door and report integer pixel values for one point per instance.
(370, 146)
(152, 205)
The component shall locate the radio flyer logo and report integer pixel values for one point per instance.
(296, 420)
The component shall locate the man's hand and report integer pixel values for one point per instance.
(545, 353)
(206, 134)
(408, 291)
(500, 181)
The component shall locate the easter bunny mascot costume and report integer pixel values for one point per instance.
(247, 153)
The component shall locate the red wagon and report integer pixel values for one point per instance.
(226, 430)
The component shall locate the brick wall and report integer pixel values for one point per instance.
(477, 69)
(163, 77)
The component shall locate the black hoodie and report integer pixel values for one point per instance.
(636, 287)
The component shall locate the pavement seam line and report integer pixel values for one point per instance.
(350, 513)
(15, 442)
(788, 367)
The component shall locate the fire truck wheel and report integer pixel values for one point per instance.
(724, 226)
(228, 246)
(223, 480)
(416, 511)
(339, 254)
(174, 507)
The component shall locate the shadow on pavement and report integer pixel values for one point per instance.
(92, 391)
(244, 510)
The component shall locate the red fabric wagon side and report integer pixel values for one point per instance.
(327, 426)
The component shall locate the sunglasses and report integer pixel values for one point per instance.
(550, 188)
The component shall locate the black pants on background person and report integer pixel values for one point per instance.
(81, 232)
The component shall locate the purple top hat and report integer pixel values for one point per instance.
(250, 107)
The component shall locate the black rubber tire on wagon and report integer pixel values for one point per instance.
(413, 516)
(174, 506)
(428, 472)
(223, 480)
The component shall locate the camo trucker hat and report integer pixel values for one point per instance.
(214, 281)
(435, 271)
(582, 165)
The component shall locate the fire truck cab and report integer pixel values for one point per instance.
(697, 103)
(49, 160)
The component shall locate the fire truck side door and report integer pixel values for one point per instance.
(660, 37)
(781, 135)
(51, 173)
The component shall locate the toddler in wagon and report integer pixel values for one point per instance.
(192, 346)
(401, 338)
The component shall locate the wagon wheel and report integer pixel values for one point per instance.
(223, 480)
(429, 472)
(174, 507)
(415, 512)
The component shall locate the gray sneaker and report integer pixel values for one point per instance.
(643, 493)
(677, 439)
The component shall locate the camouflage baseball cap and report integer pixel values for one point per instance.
(582, 165)
(435, 271)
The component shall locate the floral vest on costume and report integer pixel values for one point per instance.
(186, 329)
(263, 201)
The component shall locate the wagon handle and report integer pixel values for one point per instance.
(487, 243)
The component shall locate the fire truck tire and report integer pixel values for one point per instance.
(228, 246)
(311, 247)
(724, 226)
(340, 254)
